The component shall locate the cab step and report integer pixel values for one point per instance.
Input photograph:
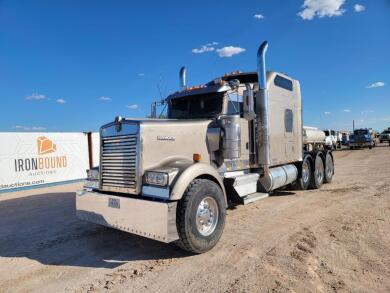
(246, 184)
(254, 197)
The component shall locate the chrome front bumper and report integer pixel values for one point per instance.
(151, 219)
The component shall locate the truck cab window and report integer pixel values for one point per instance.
(361, 132)
(235, 106)
(288, 120)
(283, 83)
(196, 106)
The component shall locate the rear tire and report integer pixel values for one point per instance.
(317, 176)
(329, 167)
(304, 174)
(200, 216)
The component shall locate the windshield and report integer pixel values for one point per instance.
(361, 131)
(326, 132)
(196, 106)
(386, 132)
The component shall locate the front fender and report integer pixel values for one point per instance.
(192, 172)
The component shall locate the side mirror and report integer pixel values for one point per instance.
(249, 104)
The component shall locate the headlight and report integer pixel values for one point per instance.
(161, 177)
(156, 178)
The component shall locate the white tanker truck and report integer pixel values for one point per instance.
(230, 141)
(313, 138)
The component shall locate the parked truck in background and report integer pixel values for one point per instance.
(230, 141)
(361, 138)
(313, 138)
(345, 138)
(339, 139)
(385, 136)
(331, 139)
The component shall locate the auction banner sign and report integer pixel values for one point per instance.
(28, 158)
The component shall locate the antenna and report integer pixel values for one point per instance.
(155, 104)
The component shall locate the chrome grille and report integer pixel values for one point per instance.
(118, 171)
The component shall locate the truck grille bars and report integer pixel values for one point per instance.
(118, 164)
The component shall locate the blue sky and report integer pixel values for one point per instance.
(75, 65)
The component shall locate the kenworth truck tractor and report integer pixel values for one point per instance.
(231, 141)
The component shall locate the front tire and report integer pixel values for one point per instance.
(317, 176)
(200, 216)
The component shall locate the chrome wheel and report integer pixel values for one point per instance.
(319, 171)
(329, 166)
(207, 216)
(305, 172)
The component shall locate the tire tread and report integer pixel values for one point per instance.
(187, 239)
(183, 241)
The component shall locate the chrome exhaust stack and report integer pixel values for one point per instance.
(262, 112)
(183, 76)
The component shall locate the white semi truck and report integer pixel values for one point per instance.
(333, 139)
(231, 141)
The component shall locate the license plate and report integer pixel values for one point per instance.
(114, 203)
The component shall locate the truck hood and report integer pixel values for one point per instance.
(170, 142)
(129, 147)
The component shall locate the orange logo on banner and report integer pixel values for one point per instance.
(45, 146)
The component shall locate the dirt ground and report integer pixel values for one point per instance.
(336, 239)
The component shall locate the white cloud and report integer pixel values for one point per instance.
(376, 84)
(359, 8)
(60, 101)
(258, 16)
(229, 51)
(141, 74)
(365, 112)
(133, 106)
(103, 98)
(347, 110)
(327, 113)
(29, 128)
(209, 47)
(35, 97)
(321, 8)
(38, 128)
